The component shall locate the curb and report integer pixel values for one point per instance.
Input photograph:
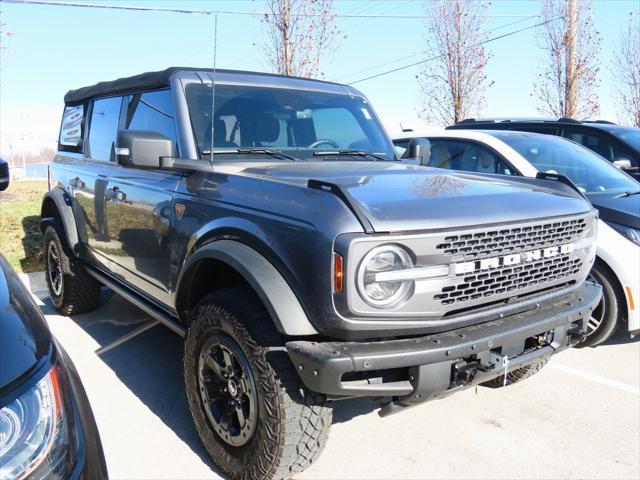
(36, 282)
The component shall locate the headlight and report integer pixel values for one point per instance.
(34, 434)
(376, 288)
(632, 234)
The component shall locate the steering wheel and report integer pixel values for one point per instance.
(323, 141)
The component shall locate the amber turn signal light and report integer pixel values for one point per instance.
(338, 276)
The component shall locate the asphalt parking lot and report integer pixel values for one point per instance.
(579, 418)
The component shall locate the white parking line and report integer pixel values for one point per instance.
(597, 379)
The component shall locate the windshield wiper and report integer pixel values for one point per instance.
(250, 151)
(355, 153)
(627, 194)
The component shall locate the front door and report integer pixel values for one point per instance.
(132, 206)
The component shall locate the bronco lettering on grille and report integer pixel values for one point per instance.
(513, 259)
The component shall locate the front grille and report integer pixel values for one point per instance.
(509, 240)
(509, 279)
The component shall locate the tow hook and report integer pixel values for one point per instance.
(576, 334)
(465, 372)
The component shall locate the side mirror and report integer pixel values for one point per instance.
(4, 175)
(420, 148)
(622, 163)
(142, 148)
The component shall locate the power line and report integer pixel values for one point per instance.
(382, 14)
(413, 55)
(508, 34)
(362, 8)
(222, 12)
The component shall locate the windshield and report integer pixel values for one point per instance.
(630, 136)
(298, 122)
(592, 174)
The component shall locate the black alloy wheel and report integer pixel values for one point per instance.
(54, 270)
(228, 390)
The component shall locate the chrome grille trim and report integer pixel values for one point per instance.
(570, 266)
(487, 284)
(496, 242)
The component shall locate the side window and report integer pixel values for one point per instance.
(103, 128)
(339, 126)
(536, 129)
(593, 141)
(465, 156)
(621, 152)
(152, 111)
(70, 138)
(401, 147)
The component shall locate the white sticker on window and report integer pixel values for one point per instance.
(366, 113)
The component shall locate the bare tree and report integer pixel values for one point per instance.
(626, 69)
(567, 83)
(300, 33)
(5, 37)
(453, 84)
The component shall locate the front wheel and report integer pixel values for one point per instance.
(253, 414)
(606, 317)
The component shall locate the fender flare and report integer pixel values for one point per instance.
(275, 293)
(63, 203)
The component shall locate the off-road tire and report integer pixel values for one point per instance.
(80, 292)
(517, 375)
(292, 424)
(612, 301)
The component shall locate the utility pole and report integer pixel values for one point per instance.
(571, 85)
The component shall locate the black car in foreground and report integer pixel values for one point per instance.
(616, 143)
(47, 429)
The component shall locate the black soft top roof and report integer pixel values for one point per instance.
(150, 80)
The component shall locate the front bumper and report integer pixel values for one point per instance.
(418, 369)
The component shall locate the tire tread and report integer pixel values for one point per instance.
(300, 433)
(81, 292)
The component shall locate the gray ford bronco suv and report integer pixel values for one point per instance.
(268, 220)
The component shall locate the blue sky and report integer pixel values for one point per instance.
(53, 49)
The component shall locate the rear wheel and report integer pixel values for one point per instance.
(607, 315)
(253, 414)
(71, 288)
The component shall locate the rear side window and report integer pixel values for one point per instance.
(593, 141)
(103, 128)
(70, 138)
(152, 111)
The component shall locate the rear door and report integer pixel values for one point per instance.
(88, 184)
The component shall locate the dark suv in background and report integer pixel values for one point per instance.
(618, 144)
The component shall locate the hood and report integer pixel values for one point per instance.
(402, 197)
(25, 340)
(621, 210)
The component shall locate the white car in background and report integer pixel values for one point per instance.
(614, 193)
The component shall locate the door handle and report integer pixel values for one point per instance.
(76, 183)
(114, 193)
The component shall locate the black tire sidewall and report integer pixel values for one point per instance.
(612, 307)
(51, 235)
(243, 460)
